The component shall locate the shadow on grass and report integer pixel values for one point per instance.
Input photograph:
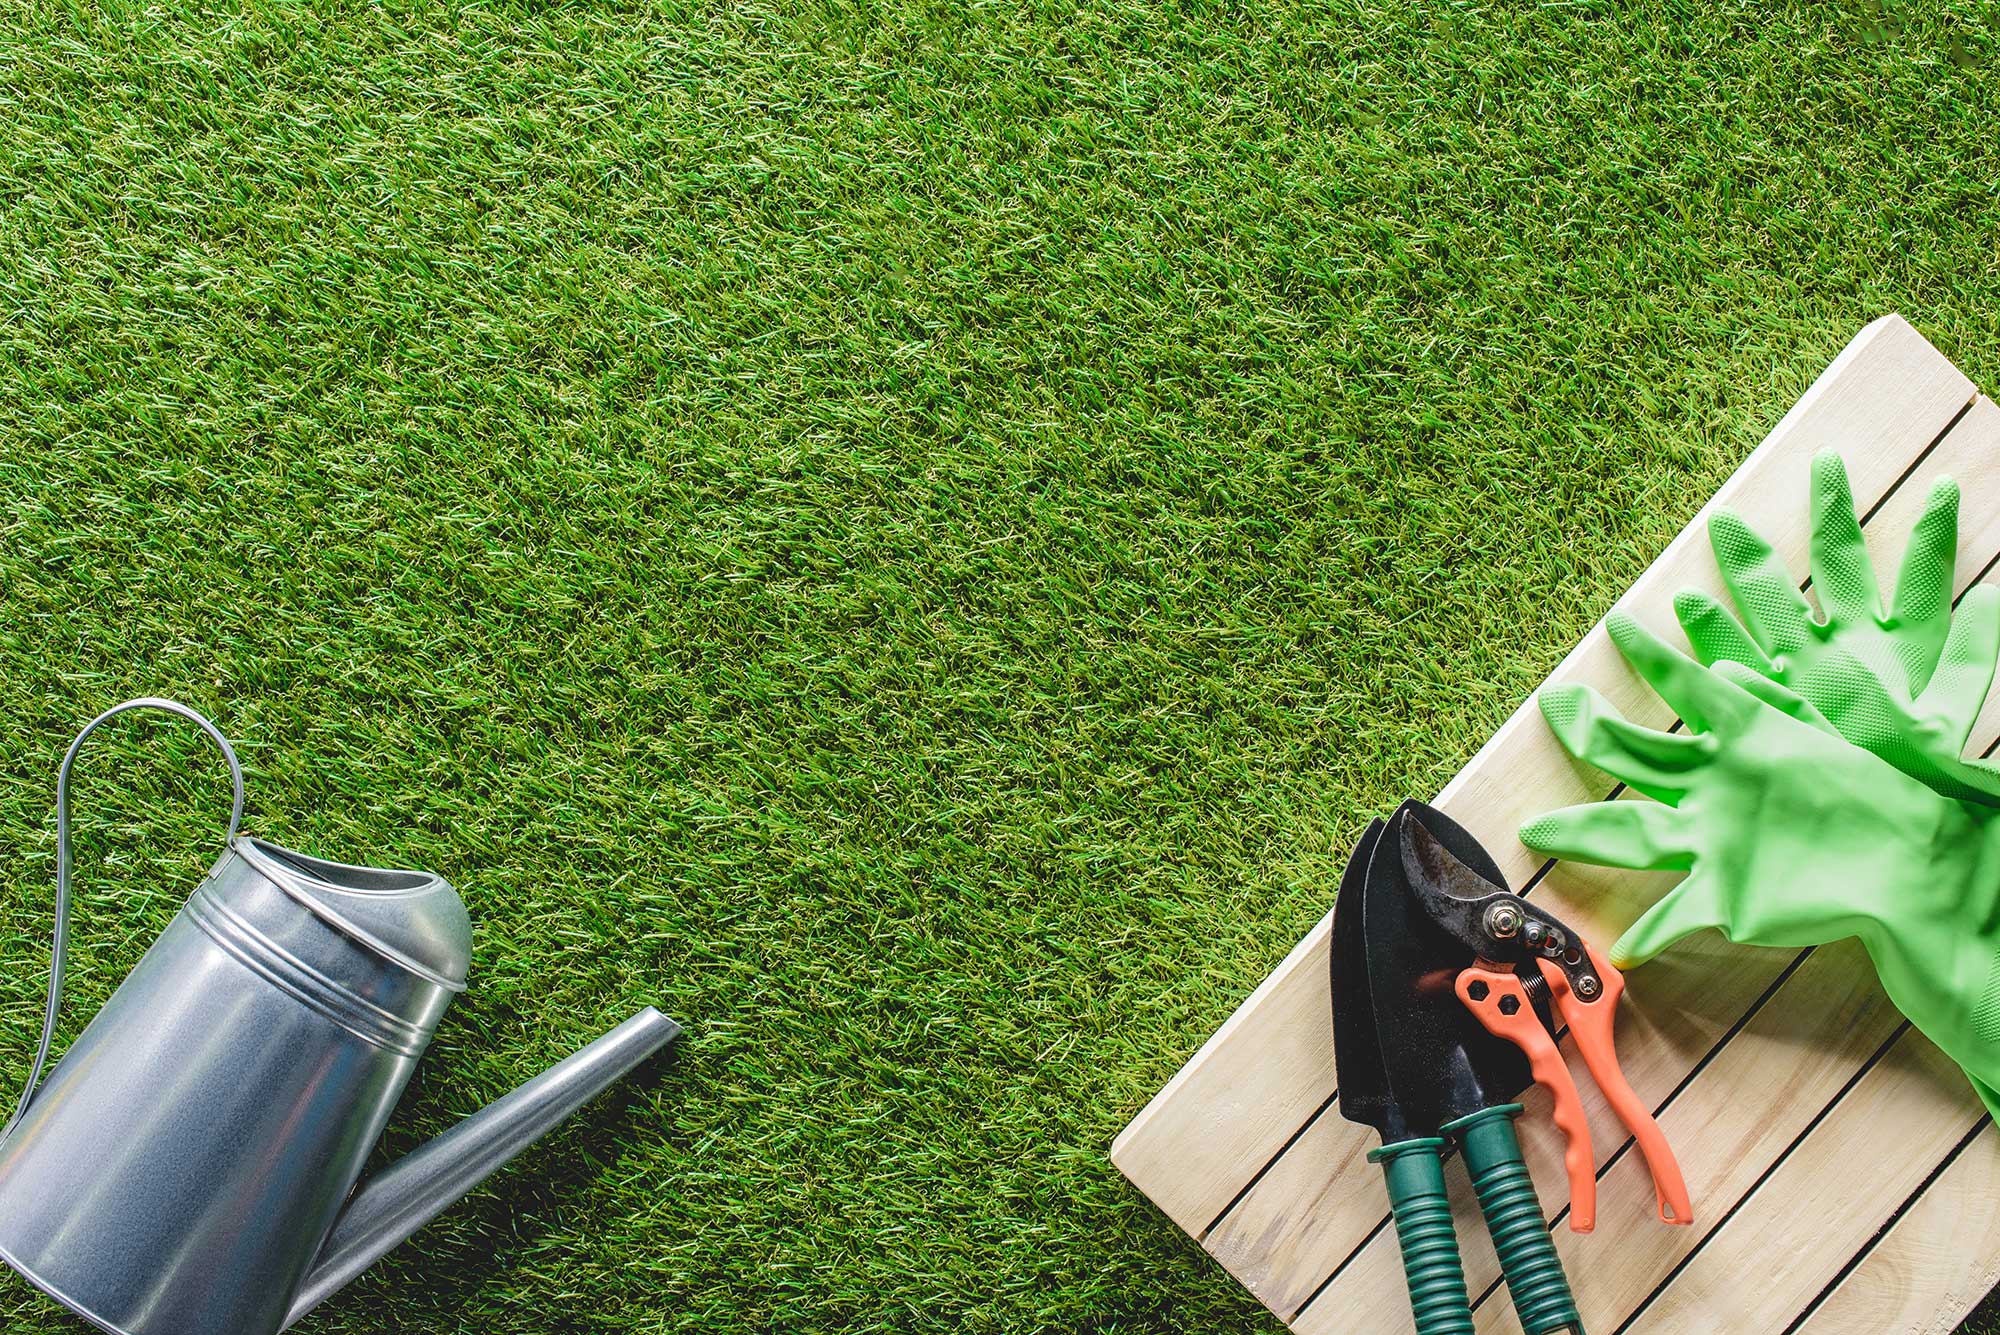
(443, 1272)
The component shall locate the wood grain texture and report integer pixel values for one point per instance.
(1723, 1143)
(1284, 1252)
(1831, 1194)
(1706, 1118)
(1935, 1264)
(1731, 1123)
(1266, 1076)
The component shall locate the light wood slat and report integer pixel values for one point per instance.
(1983, 421)
(1618, 1266)
(1303, 1220)
(1830, 1195)
(1934, 1265)
(1268, 1070)
(1970, 456)
(1678, 990)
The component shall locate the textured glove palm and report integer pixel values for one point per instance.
(1905, 683)
(1790, 836)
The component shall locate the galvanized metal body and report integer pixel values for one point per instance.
(181, 1167)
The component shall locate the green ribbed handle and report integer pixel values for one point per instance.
(1528, 1259)
(1423, 1227)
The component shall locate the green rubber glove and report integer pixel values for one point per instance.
(1790, 836)
(1906, 683)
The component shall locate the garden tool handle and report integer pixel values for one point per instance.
(1590, 1025)
(1414, 1170)
(1520, 1026)
(64, 865)
(1535, 1278)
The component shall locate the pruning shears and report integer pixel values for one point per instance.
(1518, 945)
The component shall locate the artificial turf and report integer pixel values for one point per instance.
(910, 533)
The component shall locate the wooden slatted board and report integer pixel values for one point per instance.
(1842, 1171)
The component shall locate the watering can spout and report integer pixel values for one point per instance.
(402, 1198)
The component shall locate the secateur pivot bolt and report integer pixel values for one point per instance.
(1502, 921)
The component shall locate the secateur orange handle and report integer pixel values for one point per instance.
(1518, 1024)
(1590, 1025)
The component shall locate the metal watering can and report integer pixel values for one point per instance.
(189, 1167)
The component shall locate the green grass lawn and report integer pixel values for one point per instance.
(911, 534)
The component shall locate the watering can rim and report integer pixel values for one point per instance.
(304, 878)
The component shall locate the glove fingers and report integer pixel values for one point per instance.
(1682, 911)
(1715, 635)
(1655, 763)
(1643, 836)
(1843, 577)
(1779, 697)
(1707, 702)
(1922, 609)
(1774, 611)
(1958, 688)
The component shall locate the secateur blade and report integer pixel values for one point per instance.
(1471, 902)
(1457, 888)
(1459, 1078)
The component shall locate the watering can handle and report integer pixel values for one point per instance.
(63, 863)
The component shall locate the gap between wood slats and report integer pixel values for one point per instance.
(1985, 1120)
(1885, 348)
(1542, 872)
(1536, 878)
(1777, 1163)
(1763, 1177)
(1707, 1058)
